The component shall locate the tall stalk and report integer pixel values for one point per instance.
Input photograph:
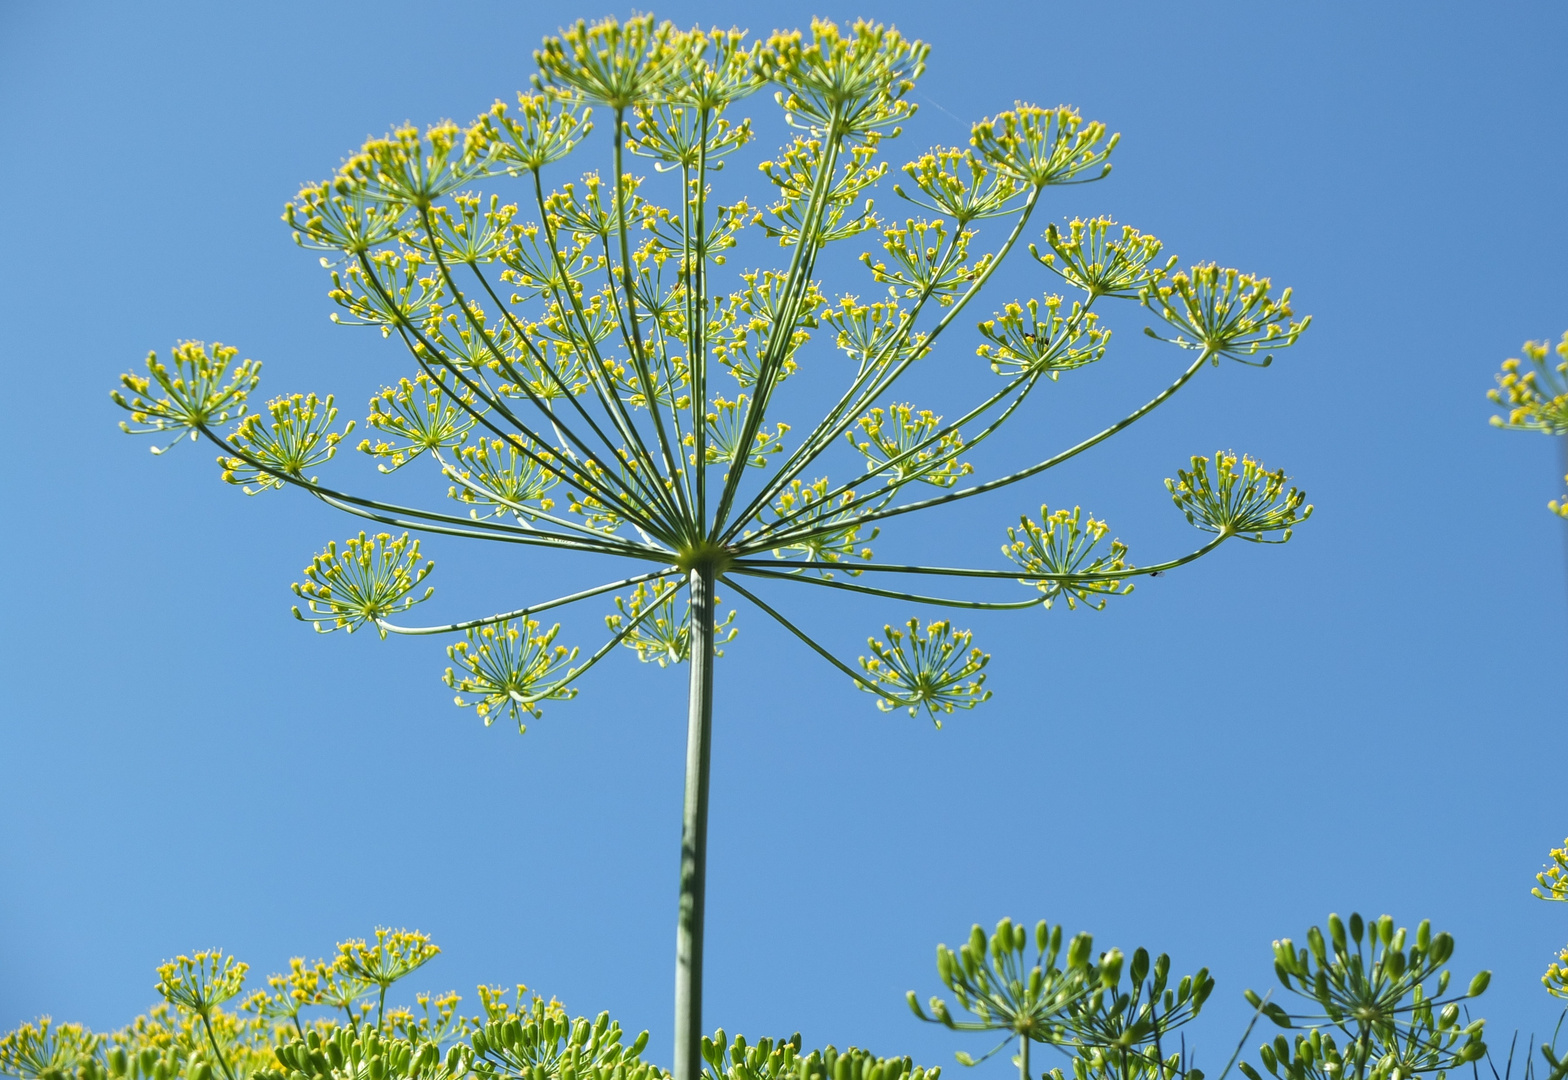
(694, 829)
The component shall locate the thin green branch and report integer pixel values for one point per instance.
(778, 342)
(840, 523)
(495, 402)
(483, 530)
(892, 594)
(775, 527)
(461, 302)
(532, 609)
(519, 510)
(634, 343)
(560, 384)
(405, 327)
(792, 628)
(425, 521)
(749, 566)
(843, 414)
(625, 632)
(609, 396)
(696, 269)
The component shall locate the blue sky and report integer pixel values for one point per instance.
(1368, 718)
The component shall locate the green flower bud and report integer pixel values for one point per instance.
(1111, 969)
(1478, 985)
(1140, 965)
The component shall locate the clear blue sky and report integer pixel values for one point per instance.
(1368, 718)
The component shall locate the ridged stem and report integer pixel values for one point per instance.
(694, 831)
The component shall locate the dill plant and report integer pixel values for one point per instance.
(589, 374)
(1533, 392)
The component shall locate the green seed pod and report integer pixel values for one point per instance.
(1111, 969)
(1478, 985)
(1266, 1053)
(1442, 948)
(203, 1072)
(1356, 926)
(1424, 935)
(1079, 950)
(1248, 1071)
(1315, 943)
(1140, 966)
(944, 964)
(335, 1053)
(1336, 933)
(1385, 929)
(1203, 986)
(1036, 982)
(378, 1068)
(642, 1040)
(1394, 963)
(977, 942)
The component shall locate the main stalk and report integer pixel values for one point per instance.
(694, 831)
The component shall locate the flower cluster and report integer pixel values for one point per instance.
(936, 669)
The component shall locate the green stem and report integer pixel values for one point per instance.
(860, 680)
(381, 1007)
(796, 280)
(213, 1039)
(634, 340)
(893, 594)
(843, 413)
(603, 386)
(842, 522)
(1023, 1057)
(523, 613)
(694, 830)
(455, 526)
(749, 567)
(628, 504)
(405, 330)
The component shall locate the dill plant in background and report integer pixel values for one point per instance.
(1534, 391)
(595, 362)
